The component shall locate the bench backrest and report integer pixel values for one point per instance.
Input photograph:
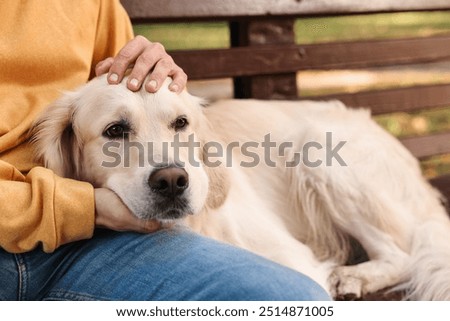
(264, 58)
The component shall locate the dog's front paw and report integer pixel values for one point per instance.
(344, 285)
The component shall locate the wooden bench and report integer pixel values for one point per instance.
(263, 59)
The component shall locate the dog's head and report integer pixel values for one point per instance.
(147, 148)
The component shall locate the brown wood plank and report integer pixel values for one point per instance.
(442, 183)
(177, 10)
(362, 54)
(236, 62)
(285, 58)
(396, 100)
(430, 145)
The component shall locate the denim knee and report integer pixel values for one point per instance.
(167, 265)
(230, 273)
(263, 280)
(181, 265)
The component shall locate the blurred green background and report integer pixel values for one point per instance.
(309, 30)
(327, 29)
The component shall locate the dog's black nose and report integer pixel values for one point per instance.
(169, 181)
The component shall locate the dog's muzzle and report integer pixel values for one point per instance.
(169, 182)
(168, 185)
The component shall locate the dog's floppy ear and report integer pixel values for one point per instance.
(54, 140)
(217, 175)
(219, 182)
(218, 186)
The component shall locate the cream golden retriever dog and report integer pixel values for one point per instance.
(291, 181)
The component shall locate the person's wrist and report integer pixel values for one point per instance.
(111, 213)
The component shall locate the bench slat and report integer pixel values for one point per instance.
(396, 100)
(430, 145)
(184, 10)
(274, 59)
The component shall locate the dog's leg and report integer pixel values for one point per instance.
(385, 268)
(378, 223)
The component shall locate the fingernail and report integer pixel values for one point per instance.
(152, 84)
(134, 83)
(113, 77)
(174, 88)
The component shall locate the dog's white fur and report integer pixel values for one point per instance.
(301, 216)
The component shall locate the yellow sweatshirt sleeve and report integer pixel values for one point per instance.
(38, 61)
(42, 208)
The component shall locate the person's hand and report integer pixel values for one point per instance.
(112, 214)
(144, 57)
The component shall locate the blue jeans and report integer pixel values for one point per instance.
(166, 265)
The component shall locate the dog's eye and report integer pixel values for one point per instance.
(116, 131)
(180, 123)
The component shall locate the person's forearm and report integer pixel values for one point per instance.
(42, 208)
